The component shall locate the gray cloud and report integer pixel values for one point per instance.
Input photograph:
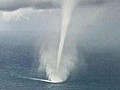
(16, 4)
(86, 3)
(10, 5)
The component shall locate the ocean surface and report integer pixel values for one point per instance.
(19, 57)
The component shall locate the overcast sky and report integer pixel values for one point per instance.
(96, 21)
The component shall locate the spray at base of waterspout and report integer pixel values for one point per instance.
(55, 78)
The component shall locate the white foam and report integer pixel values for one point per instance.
(42, 80)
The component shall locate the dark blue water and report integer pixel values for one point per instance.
(19, 57)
